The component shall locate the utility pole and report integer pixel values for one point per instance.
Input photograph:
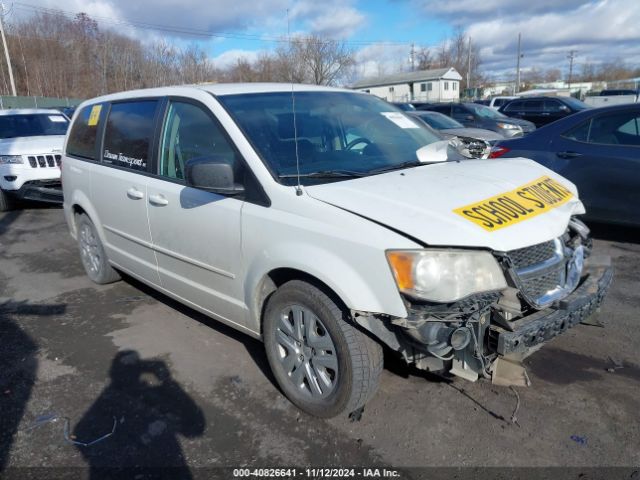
(571, 56)
(6, 51)
(517, 89)
(469, 67)
(412, 57)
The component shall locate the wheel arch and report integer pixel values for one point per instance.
(341, 281)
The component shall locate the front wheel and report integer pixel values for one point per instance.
(7, 202)
(322, 363)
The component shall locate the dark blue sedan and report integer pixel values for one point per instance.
(598, 150)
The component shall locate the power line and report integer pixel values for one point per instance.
(188, 31)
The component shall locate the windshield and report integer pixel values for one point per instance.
(575, 103)
(335, 131)
(485, 112)
(439, 121)
(32, 125)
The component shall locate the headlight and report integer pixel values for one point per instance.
(6, 159)
(445, 275)
(509, 126)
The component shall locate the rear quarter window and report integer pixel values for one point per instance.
(514, 106)
(128, 134)
(84, 131)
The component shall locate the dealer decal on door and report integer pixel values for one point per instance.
(520, 204)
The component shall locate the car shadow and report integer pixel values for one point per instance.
(18, 368)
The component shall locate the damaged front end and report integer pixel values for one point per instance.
(551, 287)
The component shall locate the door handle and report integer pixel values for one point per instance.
(568, 154)
(134, 194)
(158, 200)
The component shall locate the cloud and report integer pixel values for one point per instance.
(230, 57)
(330, 18)
(599, 30)
(380, 59)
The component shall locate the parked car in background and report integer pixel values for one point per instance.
(598, 150)
(31, 143)
(612, 97)
(542, 110)
(477, 141)
(480, 116)
(609, 93)
(407, 107)
(497, 102)
(421, 105)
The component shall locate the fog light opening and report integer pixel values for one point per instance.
(460, 338)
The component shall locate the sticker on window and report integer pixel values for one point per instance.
(57, 118)
(95, 115)
(138, 163)
(399, 119)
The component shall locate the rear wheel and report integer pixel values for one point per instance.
(7, 202)
(92, 252)
(323, 364)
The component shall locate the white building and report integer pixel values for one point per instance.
(440, 85)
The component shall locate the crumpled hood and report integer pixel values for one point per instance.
(420, 202)
(31, 145)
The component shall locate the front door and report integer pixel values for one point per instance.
(196, 234)
(602, 157)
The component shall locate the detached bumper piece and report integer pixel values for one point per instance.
(551, 322)
(41, 191)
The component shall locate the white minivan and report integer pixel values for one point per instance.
(326, 223)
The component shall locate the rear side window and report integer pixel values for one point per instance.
(82, 137)
(533, 106)
(552, 106)
(514, 106)
(579, 133)
(128, 134)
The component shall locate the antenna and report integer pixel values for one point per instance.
(293, 109)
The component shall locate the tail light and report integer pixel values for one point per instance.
(498, 151)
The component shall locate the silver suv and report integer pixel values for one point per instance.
(329, 224)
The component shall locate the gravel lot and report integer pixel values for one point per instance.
(189, 392)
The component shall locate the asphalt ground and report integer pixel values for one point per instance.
(187, 392)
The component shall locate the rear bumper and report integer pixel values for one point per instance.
(551, 322)
(41, 191)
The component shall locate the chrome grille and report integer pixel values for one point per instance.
(546, 272)
(525, 257)
(44, 161)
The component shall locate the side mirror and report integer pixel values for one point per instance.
(564, 108)
(469, 118)
(213, 175)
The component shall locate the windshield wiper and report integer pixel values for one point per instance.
(399, 166)
(327, 174)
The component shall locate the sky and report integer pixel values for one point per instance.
(381, 32)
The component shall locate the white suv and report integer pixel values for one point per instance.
(30, 153)
(323, 222)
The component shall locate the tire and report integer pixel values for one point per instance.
(323, 341)
(92, 254)
(7, 202)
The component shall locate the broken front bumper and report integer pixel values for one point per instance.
(546, 324)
